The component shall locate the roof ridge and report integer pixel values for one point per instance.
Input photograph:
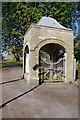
(50, 22)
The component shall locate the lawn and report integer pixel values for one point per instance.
(10, 63)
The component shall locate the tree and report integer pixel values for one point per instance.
(77, 48)
(77, 39)
(78, 5)
(17, 17)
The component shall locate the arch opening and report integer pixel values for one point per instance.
(26, 59)
(51, 62)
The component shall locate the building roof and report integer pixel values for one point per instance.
(50, 22)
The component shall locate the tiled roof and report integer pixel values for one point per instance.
(50, 22)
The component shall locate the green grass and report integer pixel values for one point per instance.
(10, 63)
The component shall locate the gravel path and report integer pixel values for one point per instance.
(49, 100)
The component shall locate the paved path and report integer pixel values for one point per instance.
(11, 73)
(49, 100)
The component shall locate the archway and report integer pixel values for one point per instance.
(51, 62)
(26, 59)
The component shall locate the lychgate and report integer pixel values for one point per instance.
(48, 53)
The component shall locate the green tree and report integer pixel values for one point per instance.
(77, 39)
(77, 46)
(77, 50)
(17, 17)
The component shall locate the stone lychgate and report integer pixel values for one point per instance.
(48, 52)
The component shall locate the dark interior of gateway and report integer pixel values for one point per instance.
(55, 51)
(51, 62)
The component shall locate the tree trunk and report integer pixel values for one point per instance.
(17, 57)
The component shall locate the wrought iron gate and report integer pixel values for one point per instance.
(51, 71)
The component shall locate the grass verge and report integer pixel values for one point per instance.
(4, 64)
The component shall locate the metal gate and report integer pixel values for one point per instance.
(51, 71)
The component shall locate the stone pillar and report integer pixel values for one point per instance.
(65, 64)
(34, 80)
(74, 69)
(69, 68)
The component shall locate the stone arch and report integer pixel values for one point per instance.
(68, 50)
(55, 41)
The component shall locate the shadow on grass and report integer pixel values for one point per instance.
(9, 101)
